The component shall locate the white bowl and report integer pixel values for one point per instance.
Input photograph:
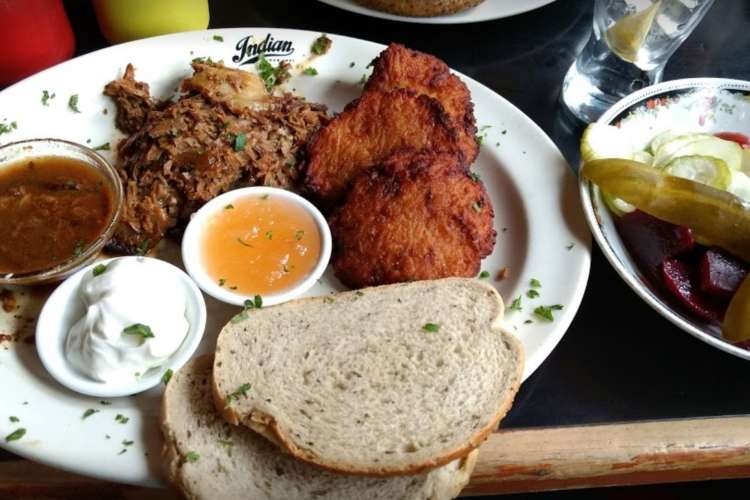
(64, 307)
(706, 105)
(191, 246)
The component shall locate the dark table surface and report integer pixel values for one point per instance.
(619, 361)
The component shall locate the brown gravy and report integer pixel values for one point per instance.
(51, 209)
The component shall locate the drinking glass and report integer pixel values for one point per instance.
(627, 50)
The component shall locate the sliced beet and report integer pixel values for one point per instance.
(721, 273)
(651, 241)
(682, 280)
(745, 344)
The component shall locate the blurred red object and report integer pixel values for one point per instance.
(34, 35)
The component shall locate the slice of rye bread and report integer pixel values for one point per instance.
(389, 380)
(207, 458)
(420, 8)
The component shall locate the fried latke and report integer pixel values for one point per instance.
(415, 216)
(399, 67)
(369, 130)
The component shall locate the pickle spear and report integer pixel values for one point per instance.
(736, 326)
(717, 216)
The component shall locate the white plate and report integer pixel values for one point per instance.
(541, 232)
(485, 11)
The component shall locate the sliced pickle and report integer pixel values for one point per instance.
(716, 215)
(704, 169)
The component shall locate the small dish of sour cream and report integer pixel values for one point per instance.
(116, 327)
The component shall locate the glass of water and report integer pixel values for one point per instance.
(628, 49)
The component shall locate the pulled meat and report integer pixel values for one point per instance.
(224, 132)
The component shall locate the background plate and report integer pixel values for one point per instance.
(485, 11)
(541, 233)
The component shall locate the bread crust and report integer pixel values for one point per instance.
(267, 425)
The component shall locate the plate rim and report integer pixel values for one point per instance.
(586, 189)
(516, 9)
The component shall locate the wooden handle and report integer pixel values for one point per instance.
(613, 454)
(513, 461)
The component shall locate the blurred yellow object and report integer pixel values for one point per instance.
(736, 327)
(627, 35)
(125, 20)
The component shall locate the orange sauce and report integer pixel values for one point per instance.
(51, 209)
(260, 245)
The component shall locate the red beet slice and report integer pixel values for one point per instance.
(681, 280)
(745, 344)
(721, 273)
(651, 241)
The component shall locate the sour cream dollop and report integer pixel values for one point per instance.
(134, 320)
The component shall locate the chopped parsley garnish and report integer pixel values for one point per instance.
(265, 196)
(7, 128)
(167, 376)
(299, 234)
(15, 435)
(218, 38)
(532, 294)
(321, 45)
(143, 247)
(235, 396)
(88, 413)
(545, 312)
(121, 419)
(105, 403)
(255, 303)
(310, 71)
(570, 246)
(99, 269)
(222, 281)
(474, 176)
(535, 283)
(73, 103)
(13, 419)
(125, 442)
(122, 451)
(272, 76)
(484, 274)
(78, 248)
(102, 147)
(351, 64)
(359, 293)
(477, 207)
(143, 331)
(329, 300)
(46, 96)
(239, 317)
(239, 141)
(239, 240)
(192, 456)
(528, 321)
(516, 304)
(229, 207)
(269, 235)
(363, 80)
(431, 327)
